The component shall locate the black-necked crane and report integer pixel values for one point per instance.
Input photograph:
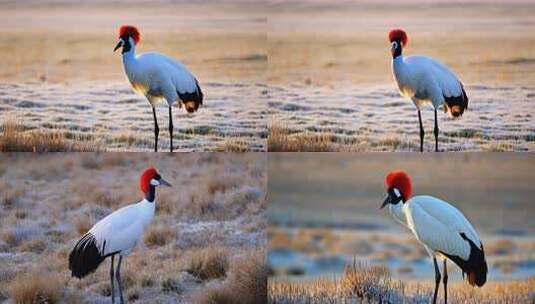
(158, 77)
(116, 234)
(426, 80)
(440, 227)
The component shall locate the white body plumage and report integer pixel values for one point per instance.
(425, 80)
(437, 225)
(121, 230)
(157, 76)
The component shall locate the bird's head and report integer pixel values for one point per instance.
(151, 179)
(398, 188)
(398, 39)
(128, 37)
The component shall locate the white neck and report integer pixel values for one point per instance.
(397, 213)
(130, 55)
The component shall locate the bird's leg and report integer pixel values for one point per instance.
(171, 127)
(445, 280)
(156, 129)
(437, 280)
(421, 131)
(118, 275)
(436, 132)
(111, 279)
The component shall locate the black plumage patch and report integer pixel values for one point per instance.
(456, 104)
(192, 101)
(85, 257)
(475, 267)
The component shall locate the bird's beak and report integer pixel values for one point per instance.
(119, 44)
(386, 201)
(164, 182)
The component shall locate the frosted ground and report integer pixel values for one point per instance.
(377, 118)
(207, 237)
(59, 74)
(330, 72)
(115, 119)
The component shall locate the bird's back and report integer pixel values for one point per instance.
(116, 233)
(445, 214)
(123, 228)
(444, 229)
(423, 78)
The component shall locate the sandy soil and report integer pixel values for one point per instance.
(329, 65)
(324, 212)
(214, 213)
(59, 71)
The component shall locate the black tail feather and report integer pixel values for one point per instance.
(475, 267)
(456, 105)
(192, 101)
(85, 257)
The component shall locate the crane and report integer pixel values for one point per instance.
(440, 227)
(425, 80)
(116, 234)
(158, 77)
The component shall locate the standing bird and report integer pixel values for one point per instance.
(157, 77)
(426, 80)
(440, 227)
(116, 234)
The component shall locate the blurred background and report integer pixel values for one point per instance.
(323, 211)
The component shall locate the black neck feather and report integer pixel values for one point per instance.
(151, 194)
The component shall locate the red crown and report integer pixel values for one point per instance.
(401, 181)
(398, 34)
(146, 177)
(131, 31)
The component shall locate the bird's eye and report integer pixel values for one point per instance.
(394, 45)
(396, 192)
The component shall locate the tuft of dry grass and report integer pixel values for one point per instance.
(209, 263)
(281, 139)
(374, 285)
(82, 224)
(159, 236)
(36, 288)
(247, 284)
(221, 183)
(233, 145)
(11, 196)
(15, 138)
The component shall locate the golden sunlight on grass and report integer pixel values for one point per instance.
(15, 138)
(281, 139)
(374, 285)
(30, 288)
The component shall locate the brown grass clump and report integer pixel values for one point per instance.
(221, 183)
(209, 263)
(14, 138)
(247, 284)
(36, 288)
(233, 145)
(374, 285)
(280, 139)
(159, 236)
(35, 245)
(82, 224)
(10, 197)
